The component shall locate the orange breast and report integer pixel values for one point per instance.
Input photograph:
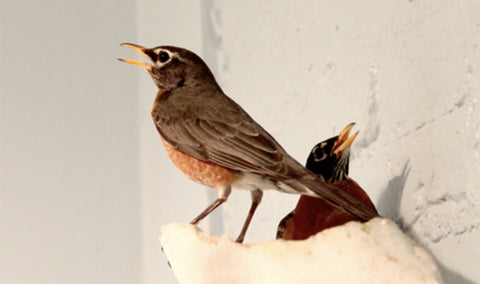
(200, 171)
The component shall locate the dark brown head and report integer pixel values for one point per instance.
(330, 158)
(172, 67)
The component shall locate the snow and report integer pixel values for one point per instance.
(373, 252)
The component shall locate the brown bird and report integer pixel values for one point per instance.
(329, 159)
(215, 142)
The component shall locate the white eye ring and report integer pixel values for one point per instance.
(163, 56)
(324, 155)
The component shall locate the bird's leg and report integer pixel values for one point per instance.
(256, 199)
(223, 194)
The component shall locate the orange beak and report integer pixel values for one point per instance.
(344, 141)
(141, 50)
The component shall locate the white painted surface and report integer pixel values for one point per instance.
(69, 178)
(405, 71)
(374, 252)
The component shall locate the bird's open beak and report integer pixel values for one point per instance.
(141, 50)
(344, 141)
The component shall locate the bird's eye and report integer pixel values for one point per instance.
(319, 153)
(163, 57)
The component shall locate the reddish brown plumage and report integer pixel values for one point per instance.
(313, 215)
(205, 173)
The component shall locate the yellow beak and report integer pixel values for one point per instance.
(139, 49)
(343, 141)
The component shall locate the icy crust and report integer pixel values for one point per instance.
(374, 252)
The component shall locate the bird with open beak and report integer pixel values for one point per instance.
(213, 141)
(330, 159)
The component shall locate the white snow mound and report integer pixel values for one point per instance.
(373, 252)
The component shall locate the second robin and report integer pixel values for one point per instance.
(212, 140)
(329, 159)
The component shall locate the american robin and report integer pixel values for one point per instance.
(212, 140)
(329, 159)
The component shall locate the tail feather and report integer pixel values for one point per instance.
(316, 187)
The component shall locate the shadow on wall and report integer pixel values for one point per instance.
(450, 276)
(390, 200)
(389, 207)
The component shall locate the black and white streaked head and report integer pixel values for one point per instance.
(330, 158)
(172, 67)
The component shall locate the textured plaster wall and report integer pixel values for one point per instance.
(405, 71)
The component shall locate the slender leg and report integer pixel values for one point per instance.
(223, 194)
(256, 199)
